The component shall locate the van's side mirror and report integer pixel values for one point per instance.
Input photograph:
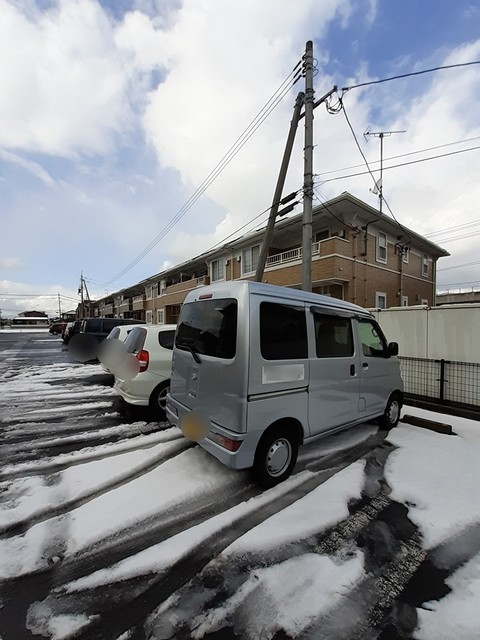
(392, 349)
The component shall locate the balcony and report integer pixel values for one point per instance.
(322, 248)
(106, 310)
(186, 285)
(138, 303)
(290, 256)
(125, 305)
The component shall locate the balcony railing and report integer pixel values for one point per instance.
(138, 303)
(186, 285)
(106, 309)
(290, 256)
(124, 305)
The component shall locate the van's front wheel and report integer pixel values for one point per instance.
(276, 456)
(391, 416)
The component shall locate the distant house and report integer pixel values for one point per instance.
(358, 254)
(32, 314)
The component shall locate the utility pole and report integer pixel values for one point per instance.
(59, 307)
(80, 291)
(277, 201)
(379, 183)
(308, 171)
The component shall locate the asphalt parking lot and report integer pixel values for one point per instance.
(112, 525)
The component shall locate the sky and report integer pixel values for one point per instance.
(113, 114)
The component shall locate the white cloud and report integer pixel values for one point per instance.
(63, 84)
(11, 263)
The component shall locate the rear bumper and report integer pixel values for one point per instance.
(243, 458)
(138, 390)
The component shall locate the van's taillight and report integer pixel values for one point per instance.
(143, 359)
(226, 443)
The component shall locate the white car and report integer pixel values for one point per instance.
(120, 332)
(152, 347)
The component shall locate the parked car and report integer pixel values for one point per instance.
(99, 328)
(109, 356)
(70, 330)
(259, 370)
(152, 346)
(57, 328)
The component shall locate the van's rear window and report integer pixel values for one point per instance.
(208, 327)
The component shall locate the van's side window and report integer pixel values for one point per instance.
(283, 332)
(333, 336)
(372, 339)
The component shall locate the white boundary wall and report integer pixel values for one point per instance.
(449, 332)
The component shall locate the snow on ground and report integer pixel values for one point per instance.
(437, 476)
(268, 600)
(456, 615)
(321, 508)
(42, 622)
(25, 497)
(185, 477)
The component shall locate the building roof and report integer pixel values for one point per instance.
(346, 208)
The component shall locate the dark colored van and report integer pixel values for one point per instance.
(99, 328)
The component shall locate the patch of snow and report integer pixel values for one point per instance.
(438, 476)
(288, 596)
(42, 621)
(321, 508)
(455, 615)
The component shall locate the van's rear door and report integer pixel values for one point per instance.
(334, 372)
(208, 369)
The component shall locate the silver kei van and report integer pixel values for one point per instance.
(259, 370)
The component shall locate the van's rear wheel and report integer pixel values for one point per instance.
(158, 400)
(276, 456)
(391, 416)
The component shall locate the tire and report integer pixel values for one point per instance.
(391, 416)
(158, 400)
(276, 456)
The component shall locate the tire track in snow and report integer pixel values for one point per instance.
(21, 526)
(116, 618)
(49, 467)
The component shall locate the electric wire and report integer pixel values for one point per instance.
(412, 73)
(324, 204)
(456, 227)
(459, 266)
(266, 110)
(400, 164)
(370, 171)
(401, 155)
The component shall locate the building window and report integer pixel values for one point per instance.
(151, 291)
(218, 270)
(250, 259)
(148, 317)
(425, 265)
(380, 300)
(381, 247)
(160, 316)
(405, 254)
(404, 301)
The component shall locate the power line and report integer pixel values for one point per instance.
(458, 266)
(368, 167)
(401, 164)
(322, 201)
(412, 73)
(266, 110)
(456, 227)
(403, 155)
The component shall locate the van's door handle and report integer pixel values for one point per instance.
(365, 365)
(352, 369)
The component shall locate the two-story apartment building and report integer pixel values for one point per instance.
(358, 254)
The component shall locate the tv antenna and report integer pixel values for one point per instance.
(379, 183)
